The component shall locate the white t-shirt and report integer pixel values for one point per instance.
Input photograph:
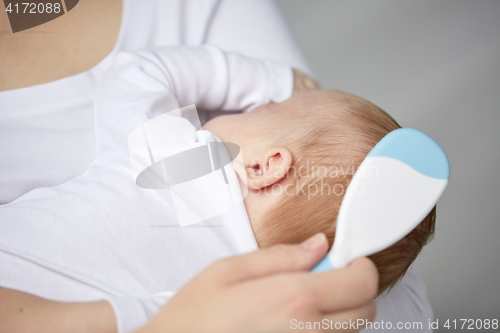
(47, 131)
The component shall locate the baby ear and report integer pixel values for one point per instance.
(272, 167)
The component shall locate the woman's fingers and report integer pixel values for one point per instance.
(277, 259)
(353, 286)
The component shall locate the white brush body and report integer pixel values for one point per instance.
(383, 194)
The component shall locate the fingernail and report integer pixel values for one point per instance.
(314, 242)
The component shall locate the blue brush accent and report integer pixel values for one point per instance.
(323, 266)
(415, 149)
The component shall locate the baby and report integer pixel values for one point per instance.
(100, 236)
(300, 156)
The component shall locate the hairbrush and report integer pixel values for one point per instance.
(392, 191)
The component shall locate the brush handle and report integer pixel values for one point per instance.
(323, 266)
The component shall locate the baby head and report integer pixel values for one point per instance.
(299, 157)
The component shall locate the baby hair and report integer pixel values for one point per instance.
(336, 131)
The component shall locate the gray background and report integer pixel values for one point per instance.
(434, 66)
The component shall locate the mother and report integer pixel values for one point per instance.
(50, 74)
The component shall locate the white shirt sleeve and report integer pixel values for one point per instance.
(144, 84)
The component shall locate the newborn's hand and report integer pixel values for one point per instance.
(302, 82)
(271, 290)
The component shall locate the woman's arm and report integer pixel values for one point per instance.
(21, 312)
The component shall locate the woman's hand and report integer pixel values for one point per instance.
(271, 290)
(302, 82)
